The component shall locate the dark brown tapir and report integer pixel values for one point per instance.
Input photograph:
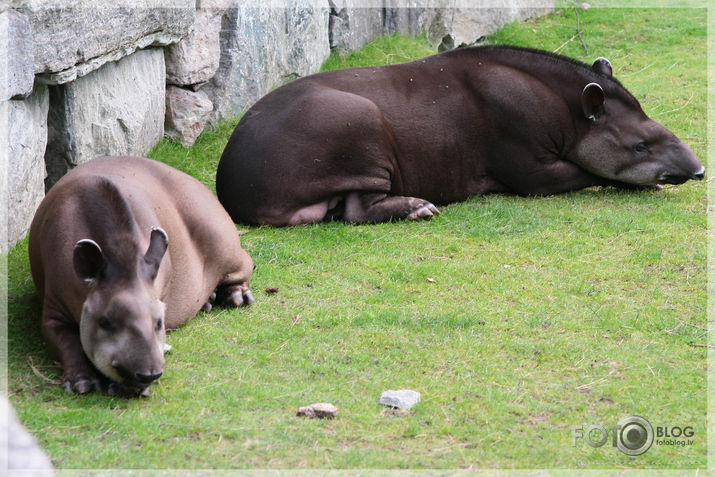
(379, 143)
(121, 250)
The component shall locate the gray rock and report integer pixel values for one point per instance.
(79, 37)
(195, 58)
(404, 21)
(401, 399)
(214, 4)
(448, 24)
(22, 451)
(433, 18)
(262, 48)
(471, 23)
(351, 28)
(320, 410)
(17, 69)
(26, 129)
(116, 110)
(187, 112)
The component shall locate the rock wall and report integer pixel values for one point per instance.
(262, 47)
(86, 78)
(27, 128)
(77, 38)
(352, 27)
(115, 110)
(190, 64)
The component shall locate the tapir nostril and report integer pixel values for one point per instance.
(148, 377)
(700, 175)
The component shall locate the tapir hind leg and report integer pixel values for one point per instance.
(233, 290)
(359, 208)
(301, 177)
(363, 207)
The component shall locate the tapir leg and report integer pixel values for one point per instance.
(62, 336)
(233, 290)
(379, 207)
(303, 178)
(363, 207)
(537, 177)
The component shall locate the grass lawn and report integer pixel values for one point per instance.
(515, 318)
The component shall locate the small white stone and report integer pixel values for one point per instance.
(402, 399)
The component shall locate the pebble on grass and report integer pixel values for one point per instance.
(400, 399)
(320, 410)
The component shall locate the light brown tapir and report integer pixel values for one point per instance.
(122, 249)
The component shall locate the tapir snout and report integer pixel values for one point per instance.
(680, 164)
(143, 362)
(122, 332)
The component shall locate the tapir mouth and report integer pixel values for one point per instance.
(679, 178)
(139, 379)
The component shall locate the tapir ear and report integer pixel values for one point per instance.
(88, 260)
(158, 242)
(592, 100)
(603, 66)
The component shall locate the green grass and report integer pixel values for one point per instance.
(516, 318)
(386, 50)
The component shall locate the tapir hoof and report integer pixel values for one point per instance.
(118, 389)
(231, 296)
(208, 306)
(83, 386)
(241, 298)
(427, 211)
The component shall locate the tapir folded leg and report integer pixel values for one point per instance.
(366, 207)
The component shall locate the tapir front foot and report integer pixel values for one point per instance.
(651, 187)
(120, 390)
(635, 187)
(82, 383)
(427, 211)
(79, 376)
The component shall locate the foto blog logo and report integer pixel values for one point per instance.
(633, 435)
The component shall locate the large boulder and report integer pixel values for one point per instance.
(472, 23)
(448, 24)
(195, 59)
(351, 27)
(17, 69)
(26, 128)
(116, 110)
(78, 37)
(262, 48)
(187, 112)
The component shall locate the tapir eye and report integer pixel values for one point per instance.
(106, 324)
(640, 147)
(159, 324)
